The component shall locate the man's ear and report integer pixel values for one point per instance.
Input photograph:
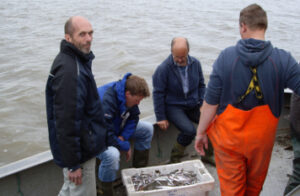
(68, 38)
(127, 93)
(243, 28)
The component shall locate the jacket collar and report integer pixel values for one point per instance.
(69, 48)
(172, 63)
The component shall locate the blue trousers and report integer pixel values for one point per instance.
(183, 118)
(110, 159)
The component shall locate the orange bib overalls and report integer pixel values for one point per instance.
(243, 143)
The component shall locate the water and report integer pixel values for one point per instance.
(130, 36)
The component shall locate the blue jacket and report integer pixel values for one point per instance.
(231, 75)
(74, 112)
(120, 120)
(168, 90)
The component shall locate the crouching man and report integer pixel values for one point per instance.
(120, 100)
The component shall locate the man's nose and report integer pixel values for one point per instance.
(89, 37)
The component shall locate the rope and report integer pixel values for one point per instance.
(159, 154)
(19, 185)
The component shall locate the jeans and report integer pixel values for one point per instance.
(88, 186)
(183, 118)
(110, 159)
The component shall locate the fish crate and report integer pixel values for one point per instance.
(201, 188)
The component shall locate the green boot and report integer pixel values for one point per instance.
(106, 189)
(140, 158)
(209, 155)
(177, 153)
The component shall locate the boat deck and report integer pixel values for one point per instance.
(279, 169)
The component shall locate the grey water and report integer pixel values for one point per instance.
(130, 36)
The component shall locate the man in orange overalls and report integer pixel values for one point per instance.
(242, 105)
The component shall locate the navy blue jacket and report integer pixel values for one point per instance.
(167, 86)
(231, 75)
(120, 120)
(74, 112)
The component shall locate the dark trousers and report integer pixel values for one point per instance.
(294, 180)
(183, 118)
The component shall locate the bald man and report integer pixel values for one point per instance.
(178, 90)
(74, 112)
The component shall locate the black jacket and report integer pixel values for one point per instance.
(74, 112)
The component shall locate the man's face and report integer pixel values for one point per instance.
(132, 100)
(180, 56)
(82, 36)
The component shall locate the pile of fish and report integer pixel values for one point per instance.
(178, 177)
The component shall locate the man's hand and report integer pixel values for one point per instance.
(201, 141)
(128, 153)
(163, 124)
(76, 176)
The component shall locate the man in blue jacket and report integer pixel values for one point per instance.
(74, 113)
(120, 100)
(178, 90)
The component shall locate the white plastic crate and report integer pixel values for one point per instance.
(202, 188)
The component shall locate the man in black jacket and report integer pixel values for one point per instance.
(74, 113)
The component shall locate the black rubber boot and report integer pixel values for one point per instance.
(140, 158)
(294, 179)
(177, 153)
(106, 189)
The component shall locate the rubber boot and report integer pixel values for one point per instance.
(209, 155)
(106, 189)
(140, 158)
(294, 179)
(177, 153)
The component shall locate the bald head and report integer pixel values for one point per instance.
(180, 50)
(79, 32)
(72, 23)
(180, 42)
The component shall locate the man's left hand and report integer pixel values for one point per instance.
(201, 142)
(76, 176)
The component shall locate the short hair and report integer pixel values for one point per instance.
(69, 28)
(254, 17)
(137, 86)
(187, 43)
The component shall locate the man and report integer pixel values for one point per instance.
(178, 89)
(120, 100)
(246, 92)
(74, 112)
(294, 181)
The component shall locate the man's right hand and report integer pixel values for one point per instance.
(76, 176)
(163, 124)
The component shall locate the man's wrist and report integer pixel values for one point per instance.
(72, 169)
(201, 133)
